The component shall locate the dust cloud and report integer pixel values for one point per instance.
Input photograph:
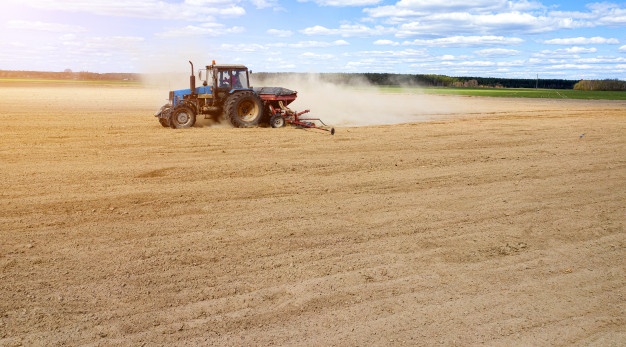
(356, 104)
(359, 103)
(169, 69)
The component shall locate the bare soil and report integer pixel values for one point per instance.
(487, 221)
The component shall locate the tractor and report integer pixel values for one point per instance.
(226, 94)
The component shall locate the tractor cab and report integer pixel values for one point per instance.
(233, 79)
(225, 77)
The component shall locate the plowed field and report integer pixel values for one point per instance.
(473, 221)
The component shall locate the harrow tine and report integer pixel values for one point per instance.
(317, 119)
(307, 124)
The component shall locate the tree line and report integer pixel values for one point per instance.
(431, 80)
(614, 85)
(377, 79)
(70, 75)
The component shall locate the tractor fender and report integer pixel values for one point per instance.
(189, 104)
(164, 111)
(235, 90)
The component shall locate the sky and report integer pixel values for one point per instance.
(564, 39)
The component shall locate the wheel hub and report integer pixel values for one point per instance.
(247, 111)
(182, 118)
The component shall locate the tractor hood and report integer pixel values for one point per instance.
(200, 90)
(177, 95)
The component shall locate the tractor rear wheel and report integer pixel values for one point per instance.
(244, 109)
(182, 117)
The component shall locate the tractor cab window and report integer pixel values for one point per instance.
(236, 79)
(240, 79)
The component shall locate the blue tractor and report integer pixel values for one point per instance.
(225, 94)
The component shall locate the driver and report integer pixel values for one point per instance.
(236, 82)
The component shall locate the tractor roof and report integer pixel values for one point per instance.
(229, 66)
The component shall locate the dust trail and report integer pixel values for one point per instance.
(357, 104)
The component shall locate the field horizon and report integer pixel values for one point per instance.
(460, 91)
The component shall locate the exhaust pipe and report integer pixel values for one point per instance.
(192, 80)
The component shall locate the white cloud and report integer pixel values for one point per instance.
(317, 56)
(579, 50)
(482, 63)
(312, 44)
(242, 47)
(44, 26)
(497, 52)
(457, 5)
(206, 29)
(90, 52)
(582, 41)
(114, 41)
(344, 3)
(460, 41)
(232, 11)
(464, 22)
(347, 30)
(571, 66)
(392, 12)
(324, 44)
(540, 59)
(525, 5)
(319, 30)
(404, 54)
(280, 33)
(608, 13)
(265, 3)
(602, 60)
(419, 8)
(567, 53)
(425, 17)
(513, 63)
(190, 10)
(386, 43)
(483, 37)
(275, 63)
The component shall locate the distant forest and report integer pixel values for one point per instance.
(69, 75)
(388, 79)
(379, 79)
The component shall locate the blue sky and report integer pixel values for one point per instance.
(488, 38)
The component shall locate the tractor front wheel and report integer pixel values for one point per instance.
(164, 115)
(164, 122)
(244, 109)
(182, 117)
